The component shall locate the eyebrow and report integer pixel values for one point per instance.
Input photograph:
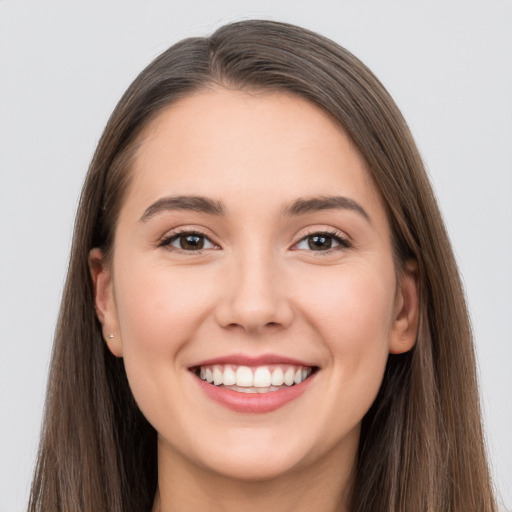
(315, 204)
(183, 203)
(209, 206)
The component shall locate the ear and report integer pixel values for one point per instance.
(104, 301)
(406, 314)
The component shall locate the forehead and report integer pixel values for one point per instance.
(262, 147)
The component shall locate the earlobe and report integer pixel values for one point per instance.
(406, 319)
(104, 301)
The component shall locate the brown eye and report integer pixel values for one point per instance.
(319, 242)
(322, 242)
(188, 241)
(191, 242)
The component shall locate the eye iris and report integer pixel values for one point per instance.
(318, 242)
(192, 242)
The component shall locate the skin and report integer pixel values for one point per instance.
(255, 288)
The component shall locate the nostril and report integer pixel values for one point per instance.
(254, 317)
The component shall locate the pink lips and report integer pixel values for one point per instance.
(244, 360)
(253, 402)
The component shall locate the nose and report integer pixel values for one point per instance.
(254, 297)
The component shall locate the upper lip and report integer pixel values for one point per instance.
(247, 360)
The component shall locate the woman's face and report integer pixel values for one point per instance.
(253, 249)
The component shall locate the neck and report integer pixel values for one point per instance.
(324, 485)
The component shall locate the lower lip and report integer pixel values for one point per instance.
(254, 402)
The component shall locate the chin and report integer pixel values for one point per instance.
(255, 467)
(259, 454)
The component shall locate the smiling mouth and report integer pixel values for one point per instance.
(257, 379)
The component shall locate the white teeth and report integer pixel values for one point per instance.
(229, 376)
(254, 380)
(244, 377)
(262, 377)
(245, 390)
(277, 377)
(288, 377)
(217, 376)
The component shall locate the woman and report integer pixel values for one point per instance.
(262, 308)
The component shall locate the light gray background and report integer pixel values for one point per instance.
(63, 66)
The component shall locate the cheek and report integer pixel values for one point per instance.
(158, 313)
(352, 310)
(350, 301)
(353, 315)
(159, 308)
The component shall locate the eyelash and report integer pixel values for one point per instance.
(176, 235)
(334, 235)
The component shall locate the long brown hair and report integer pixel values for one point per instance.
(421, 445)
